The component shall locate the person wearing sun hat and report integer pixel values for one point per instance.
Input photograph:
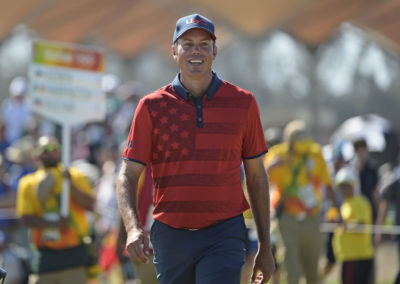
(200, 129)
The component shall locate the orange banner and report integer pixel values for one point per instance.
(54, 54)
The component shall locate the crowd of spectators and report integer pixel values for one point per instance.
(350, 217)
(96, 151)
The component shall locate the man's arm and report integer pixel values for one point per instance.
(375, 197)
(331, 196)
(83, 199)
(137, 242)
(258, 191)
(387, 195)
(382, 211)
(45, 189)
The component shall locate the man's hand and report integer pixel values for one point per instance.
(45, 187)
(264, 266)
(137, 245)
(378, 239)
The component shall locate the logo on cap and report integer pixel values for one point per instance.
(193, 21)
(196, 20)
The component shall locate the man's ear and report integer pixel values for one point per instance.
(173, 49)
(215, 51)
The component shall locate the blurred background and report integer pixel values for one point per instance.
(323, 61)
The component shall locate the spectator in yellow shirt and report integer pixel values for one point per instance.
(352, 243)
(60, 254)
(297, 174)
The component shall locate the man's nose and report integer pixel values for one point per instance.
(196, 48)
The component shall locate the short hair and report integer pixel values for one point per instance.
(360, 143)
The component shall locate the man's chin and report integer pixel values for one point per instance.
(197, 73)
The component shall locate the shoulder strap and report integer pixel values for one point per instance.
(298, 167)
(295, 173)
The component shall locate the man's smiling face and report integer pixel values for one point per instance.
(194, 53)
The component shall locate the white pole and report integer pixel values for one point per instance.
(66, 154)
(327, 227)
(361, 228)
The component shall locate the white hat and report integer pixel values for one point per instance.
(109, 83)
(18, 86)
(347, 175)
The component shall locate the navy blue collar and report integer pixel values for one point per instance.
(184, 93)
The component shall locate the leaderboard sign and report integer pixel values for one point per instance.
(65, 82)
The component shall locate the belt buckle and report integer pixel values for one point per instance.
(192, 230)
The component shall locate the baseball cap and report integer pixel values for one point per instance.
(194, 21)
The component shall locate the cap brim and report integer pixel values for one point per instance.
(195, 27)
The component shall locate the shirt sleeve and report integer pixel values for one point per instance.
(139, 145)
(253, 141)
(27, 203)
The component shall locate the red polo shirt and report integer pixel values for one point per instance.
(196, 147)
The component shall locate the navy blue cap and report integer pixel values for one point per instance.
(194, 21)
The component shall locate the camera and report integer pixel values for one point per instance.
(3, 274)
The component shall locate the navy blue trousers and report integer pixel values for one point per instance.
(211, 255)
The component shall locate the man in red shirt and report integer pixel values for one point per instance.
(195, 133)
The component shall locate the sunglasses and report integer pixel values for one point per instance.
(49, 148)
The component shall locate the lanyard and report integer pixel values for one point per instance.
(295, 174)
